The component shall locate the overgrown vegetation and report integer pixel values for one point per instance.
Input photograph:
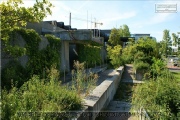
(159, 97)
(114, 54)
(41, 98)
(83, 81)
(89, 54)
(38, 60)
(124, 92)
(114, 48)
(33, 91)
(13, 73)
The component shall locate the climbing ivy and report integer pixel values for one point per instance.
(50, 56)
(89, 54)
(38, 60)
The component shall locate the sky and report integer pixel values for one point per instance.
(139, 15)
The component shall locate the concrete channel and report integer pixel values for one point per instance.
(104, 102)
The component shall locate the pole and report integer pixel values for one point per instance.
(87, 19)
(69, 20)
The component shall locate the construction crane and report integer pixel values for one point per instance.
(95, 23)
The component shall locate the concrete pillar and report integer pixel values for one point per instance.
(65, 56)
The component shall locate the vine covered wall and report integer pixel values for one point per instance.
(90, 54)
(39, 60)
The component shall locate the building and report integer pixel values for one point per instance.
(70, 37)
(137, 36)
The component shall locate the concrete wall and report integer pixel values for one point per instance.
(65, 56)
(102, 94)
(5, 58)
(43, 27)
(74, 35)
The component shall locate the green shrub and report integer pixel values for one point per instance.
(39, 96)
(14, 73)
(115, 56)
(160, 97)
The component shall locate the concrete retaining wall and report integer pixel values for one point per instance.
(5, 58)
(101, 96)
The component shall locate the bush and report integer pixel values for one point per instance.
(115, 56)
(14, 73)
(160, 97)
(39, 96)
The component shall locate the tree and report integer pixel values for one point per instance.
(166, 41)
(128, 53)
(124, 31)
(175, 39)
(114, 54)
(114, 38)
(14, 15)
(115, 42)
(116, 34)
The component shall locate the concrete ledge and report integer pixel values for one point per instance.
(102, 95)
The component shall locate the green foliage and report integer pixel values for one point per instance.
(14, 73)
(146, 50)
(140, 65)
(157, 68)
(89, 54)
(38, 60)
(114, 38)
(124, 31)
(166, 42)
(115, 48)
(114, 54)
(83, 81)
(39, 96)
(15, 51)
(128, 53)
(175, 39)
(54, 42)
(14, 15)
(160, 98)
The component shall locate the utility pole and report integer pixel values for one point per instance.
(69, 20)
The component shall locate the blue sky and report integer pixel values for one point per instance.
(139, 15)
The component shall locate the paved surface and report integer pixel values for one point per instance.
(103, 74)
(68, 77)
